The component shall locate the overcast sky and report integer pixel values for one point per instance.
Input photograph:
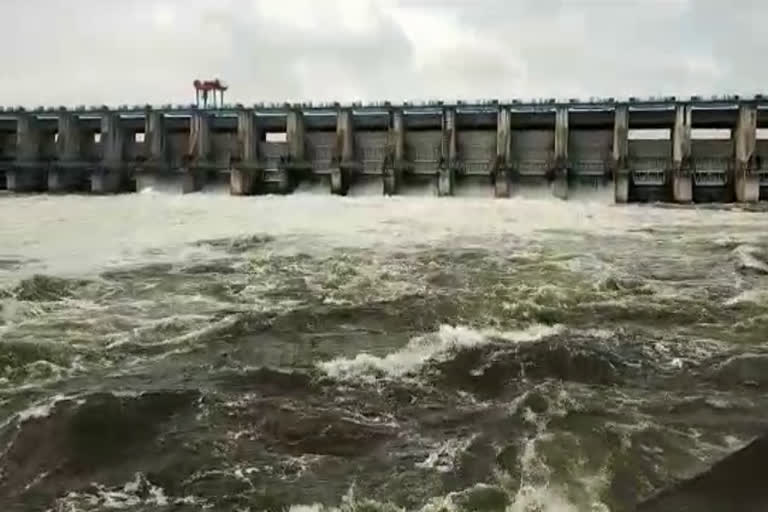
(149, 51)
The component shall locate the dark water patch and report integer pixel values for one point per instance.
(100, 437)
(747, 370)
(217, 267)
(486, 498)
(17, 356)
(751, 260)
(319, 432)
(403, 315)
(237, 244)
(9, 264)
(489, 369)
(736, 483)
(42, 288)
(138, 272)
(265, 381)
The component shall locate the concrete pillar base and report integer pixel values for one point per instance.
(502, 186)
(747, 187)
(560, 186)
(285, 181)
(445, 180)
(243, 182)
(62, 179)
(682, 189)
(26, 180)
(621, 187)
(339, 181)
(191, 182)
(108, 181)
(391, 179)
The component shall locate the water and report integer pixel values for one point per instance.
(311, 352)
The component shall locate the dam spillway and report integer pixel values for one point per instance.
(505, 145)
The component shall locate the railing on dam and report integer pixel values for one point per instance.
(274, 147)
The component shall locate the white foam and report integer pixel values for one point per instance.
(755, 296)
(122, 229)
(422, 349)
(138, 492)
(747, 259)
(41, 410)
(444, 456)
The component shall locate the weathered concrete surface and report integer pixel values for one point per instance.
(243, 182)
(502, 179)
(682, 182)
(561, 163)
(682, 188)
(445, 182)
(746, 181)
(532, 150)
(156, 140)
(69, 138)
(27, 139)
(110, 177)
(26, 179)
(247, 138)
(394, 162)
(295, 133)
(712, 173)
(199, 139)
(67, 179)
(108, 181)
(424, 150)
(449, 153)
(28, 175)
(245, 174)
(498, 144)
(620, 154)
(344, 158)
(68, 175)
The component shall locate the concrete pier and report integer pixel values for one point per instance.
(502, 179)
(156, 168)
(746, 181)
(621, 174)
(156, 140)
(499, 144)
(245, 172)
(448, 151)
(68, 174)
(29, 173)
(295, 162)
(394, 163)
(110, 177)
(343, 163)
(682, 180)
(197, 161)
(561, 163)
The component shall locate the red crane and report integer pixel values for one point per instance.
(206, 86)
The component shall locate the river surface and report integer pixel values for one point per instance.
(315, 353)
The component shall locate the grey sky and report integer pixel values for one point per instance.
(137, 51)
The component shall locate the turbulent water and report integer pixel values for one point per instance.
(312, 353)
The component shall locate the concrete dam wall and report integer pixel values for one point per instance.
(274, 149)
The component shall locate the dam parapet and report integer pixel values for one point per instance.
(646, 150)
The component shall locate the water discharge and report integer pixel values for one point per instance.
(314, 353)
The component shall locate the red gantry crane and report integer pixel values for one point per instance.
(206, 86)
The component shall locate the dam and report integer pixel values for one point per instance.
(505, 145)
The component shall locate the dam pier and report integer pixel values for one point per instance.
(669, 149)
